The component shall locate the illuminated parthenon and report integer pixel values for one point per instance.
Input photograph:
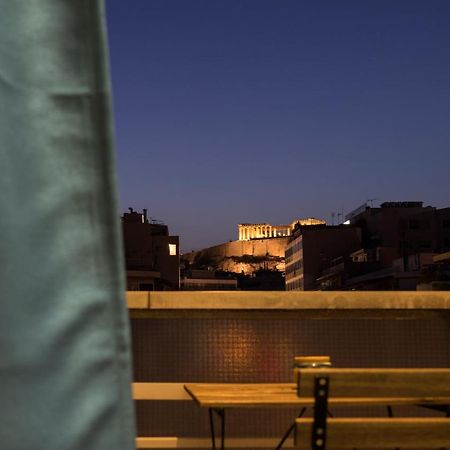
(249, 231)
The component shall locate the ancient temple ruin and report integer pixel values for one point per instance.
(247, 231)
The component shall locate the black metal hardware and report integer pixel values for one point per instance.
(319, 429)
(289, 431)
(221, 413)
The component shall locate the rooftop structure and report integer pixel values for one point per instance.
(399, 240)
(312, 248)
(152, 257)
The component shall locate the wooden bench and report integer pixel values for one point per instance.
(423, 387)
(220, 397)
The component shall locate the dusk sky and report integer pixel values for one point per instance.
(267, 111)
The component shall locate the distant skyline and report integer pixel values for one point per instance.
(268, 111)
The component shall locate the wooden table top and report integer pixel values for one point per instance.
(213, 395)
(256, 395)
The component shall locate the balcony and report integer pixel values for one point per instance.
(252, 337)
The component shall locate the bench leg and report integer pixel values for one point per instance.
(391, 414)
(289, 431)
(221, 414)
(211, 428)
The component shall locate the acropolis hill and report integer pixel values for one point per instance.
(259, 246)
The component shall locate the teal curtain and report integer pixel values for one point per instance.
(64, 338)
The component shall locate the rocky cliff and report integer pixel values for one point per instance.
(241, 256)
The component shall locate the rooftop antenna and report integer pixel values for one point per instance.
(371, 200)
(341, 214)
(333, 214)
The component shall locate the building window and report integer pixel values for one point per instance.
(173, 249)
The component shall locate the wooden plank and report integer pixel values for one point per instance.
(422, 385)
(160, 391)
(245, 395)
(379, 433)
(311, 359)
(178, 442)
(252, 395)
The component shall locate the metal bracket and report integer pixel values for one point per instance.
(319, 429)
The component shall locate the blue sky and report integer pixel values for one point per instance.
(265, 111)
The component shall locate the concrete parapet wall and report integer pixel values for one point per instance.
(326, 304)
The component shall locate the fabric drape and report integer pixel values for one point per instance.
(64, 338)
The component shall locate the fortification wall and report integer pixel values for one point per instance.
(255, 247)
(267, 253)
